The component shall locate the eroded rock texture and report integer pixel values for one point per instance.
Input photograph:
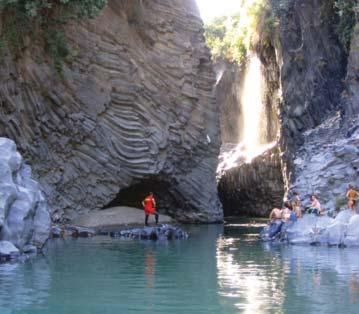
(24, 214)
(134, 104)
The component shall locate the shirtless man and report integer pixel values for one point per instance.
(287, 211)
(276, 214)
(296, 204)
(352, 193)
(276, 222)
(352, 205)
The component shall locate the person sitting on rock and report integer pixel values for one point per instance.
(352, 205)
(275, 222)
(149, 205)
(352, 194)
(315, 207)
(288, 213)
(297, 205)
(276, 214)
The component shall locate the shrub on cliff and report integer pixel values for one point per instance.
(24, 20)
(231, 38)
(348, 11)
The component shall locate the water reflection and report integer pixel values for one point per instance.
(150, 269)
(23, 285)
(262, 278)
(253, 289)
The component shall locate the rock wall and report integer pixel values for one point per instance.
(254, 188)
(329, 159)
(230, 78)
(312, 88)
(134, 104)
(319, 111)
(24, 214)
(312, 66)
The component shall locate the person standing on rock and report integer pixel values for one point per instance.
(149, 205)
(352, 194)
(352, 205)
(296, 205)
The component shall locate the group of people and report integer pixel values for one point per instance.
(293, 210)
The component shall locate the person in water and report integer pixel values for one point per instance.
(297, 205)
(315, 207)
(149, 206)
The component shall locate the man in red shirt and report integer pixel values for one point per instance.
(149, 205)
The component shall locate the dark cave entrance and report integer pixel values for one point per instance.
(133, 195)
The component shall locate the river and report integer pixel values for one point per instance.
(219, 269)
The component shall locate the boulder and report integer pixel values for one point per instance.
(8, 251)
(161, 232)
(24, 214)
(320, 230)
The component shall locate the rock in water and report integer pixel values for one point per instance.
(8, 251)
(162, 232)
(133, 107)
(311, 229)
(24, 214)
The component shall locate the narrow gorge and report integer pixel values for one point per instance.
(310, 109)
(139, 104)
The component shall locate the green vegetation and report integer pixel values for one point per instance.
(25, 21)
(348, 11)
(231, 38)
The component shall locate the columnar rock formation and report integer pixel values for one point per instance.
(254, 188)
(315, 94)
(133, 107)
(24, 214)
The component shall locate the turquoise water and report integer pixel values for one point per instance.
(219, 269)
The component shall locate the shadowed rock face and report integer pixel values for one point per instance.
(134, 103)
(253, 189)
(319, 113)
(312, 68)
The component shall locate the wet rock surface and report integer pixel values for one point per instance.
(24, 214)
(135, 101)
(8, 251)
(161, 232)
(343, 230)
(72, 231)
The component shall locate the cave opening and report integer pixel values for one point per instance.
(133, 195)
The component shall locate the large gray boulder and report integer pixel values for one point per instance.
(8, 251)
(24, 214)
